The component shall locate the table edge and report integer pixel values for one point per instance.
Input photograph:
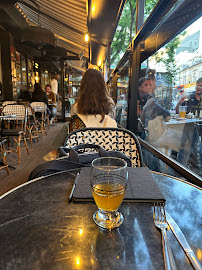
(46, 176)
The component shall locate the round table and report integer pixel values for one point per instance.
(39, 229)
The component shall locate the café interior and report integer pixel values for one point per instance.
(48, 218)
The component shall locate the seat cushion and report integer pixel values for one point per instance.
(11, 132)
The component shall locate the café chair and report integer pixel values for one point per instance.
(118, 139)
(9, 102)
(18, 129)
(32, 124)
(40, 110)
(3, 164)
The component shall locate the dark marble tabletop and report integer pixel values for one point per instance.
(39, 229)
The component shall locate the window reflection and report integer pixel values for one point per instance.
(169, 79)
(122, 95)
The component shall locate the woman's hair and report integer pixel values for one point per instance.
(37, 88)
(93, 96)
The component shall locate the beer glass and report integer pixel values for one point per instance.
(108, 184)
(182, 111)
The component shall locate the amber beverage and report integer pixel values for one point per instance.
(108, 180)
(182, 111)
(108, 196)
(182, 114)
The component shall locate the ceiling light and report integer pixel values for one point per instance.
(86, 37)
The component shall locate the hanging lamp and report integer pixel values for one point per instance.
(7, 3)
(38, 37)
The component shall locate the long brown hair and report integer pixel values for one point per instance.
(93, 97)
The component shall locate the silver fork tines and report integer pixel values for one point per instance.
(159, 216)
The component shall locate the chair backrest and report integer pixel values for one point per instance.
(30, 110)
(118, 139)
(75, 123)
(39, 106)
(19, 113)
(15, 109)
(9, 102)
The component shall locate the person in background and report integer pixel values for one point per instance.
(93, 107)
(25, 96)
(39, 95)
(51, 102)
(194, 99)
(54, 85)
(147, 87)
(85, 95)
(193, 105)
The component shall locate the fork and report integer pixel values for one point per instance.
(160, 222)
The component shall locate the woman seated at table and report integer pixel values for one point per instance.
(51, 102)
(40, 96)
(93, 108)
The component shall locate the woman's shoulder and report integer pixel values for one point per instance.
(110, 122)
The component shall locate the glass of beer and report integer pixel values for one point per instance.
(182, 111)
(108, 184)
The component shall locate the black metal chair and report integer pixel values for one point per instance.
(118, 139)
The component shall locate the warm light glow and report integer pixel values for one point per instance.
(81, 231)
(77, 260)
(36, 79)
(93, 9)
(199, 254)
(99, 63)
(86, 37)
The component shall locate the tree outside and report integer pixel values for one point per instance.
(126, 29)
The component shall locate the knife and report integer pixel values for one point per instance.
(183, 242)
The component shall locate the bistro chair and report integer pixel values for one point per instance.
(118, 139)
(3, 164)
(32, 124)
(9, 102)
(17, 130)
(40, 110)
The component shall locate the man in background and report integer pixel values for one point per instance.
(54, 85)
(51, 102)
(147, 87)
(194, 99)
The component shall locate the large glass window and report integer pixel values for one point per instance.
(24, 71)
(170, 99)
(122, 95)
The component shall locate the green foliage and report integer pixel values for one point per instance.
(126, 28)
(167, 57)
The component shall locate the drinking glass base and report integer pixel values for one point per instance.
(108, 220)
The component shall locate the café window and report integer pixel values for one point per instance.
(18, 68)
(122, 95)
(31, 80)
(24, 71)
(170, 115)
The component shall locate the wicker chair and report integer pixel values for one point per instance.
(40, 110)
(18, 130)
(32, 124)
(118, 139)
(8, 102)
